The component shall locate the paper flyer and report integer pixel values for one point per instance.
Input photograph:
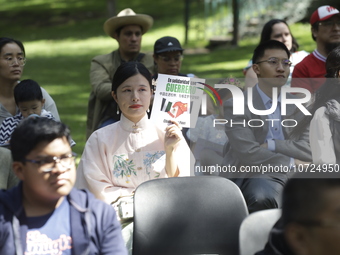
(177, 98)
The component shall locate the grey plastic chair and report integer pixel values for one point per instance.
(254, 230)
(188, 215)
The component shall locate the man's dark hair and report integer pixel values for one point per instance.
(33, 131)
(303, 198)
(268, 45)
(27, 90)
(315, 27)
(118, 30)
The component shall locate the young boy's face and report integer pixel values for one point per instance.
(28, 108)
(47, 186)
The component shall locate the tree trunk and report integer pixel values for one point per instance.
(111, 7)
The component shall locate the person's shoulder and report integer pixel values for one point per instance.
(103, 56)
(11, 199)
(320, 112)
(46, 96)
(13, 119)
(306, 60)
(148, 61)
(301, 53)
(83, 200)
(147, 55)
(106, 130)
(298, 56)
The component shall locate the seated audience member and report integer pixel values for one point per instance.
(12, 61)
(324, 122)
(7, 177)
(310, 218)
(119, 157)
(127, 28)
(325, 22)
(44, 214)
(206, 139)
(255, 141)
(168, 56)
(29, 99)
(276, 29)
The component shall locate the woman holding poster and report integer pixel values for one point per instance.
(119, 157)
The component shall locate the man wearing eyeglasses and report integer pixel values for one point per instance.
(259, 145)
(44, 214)
(310, 72)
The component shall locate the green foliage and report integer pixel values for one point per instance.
(62, 36)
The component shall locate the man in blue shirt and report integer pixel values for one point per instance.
(44, 214)
(260, 145)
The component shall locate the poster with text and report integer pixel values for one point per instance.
(177, 98)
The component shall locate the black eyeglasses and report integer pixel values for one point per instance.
(47, 164)
(276, 61)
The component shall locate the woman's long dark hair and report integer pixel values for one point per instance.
(124, 72)
(268, 29)
(6, 40)
(329, 90)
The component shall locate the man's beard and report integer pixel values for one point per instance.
(331, 46)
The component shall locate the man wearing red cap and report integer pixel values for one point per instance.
(325, 22)
(127, 28)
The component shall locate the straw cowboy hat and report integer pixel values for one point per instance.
(127, 17)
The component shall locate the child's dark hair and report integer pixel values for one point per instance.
(33, 131)
(27, 90)
(268, 45)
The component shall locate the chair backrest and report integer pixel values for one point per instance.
(188, 215)
(254, 230)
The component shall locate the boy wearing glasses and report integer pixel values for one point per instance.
(259, 145)
(325, 22)
(44, 214)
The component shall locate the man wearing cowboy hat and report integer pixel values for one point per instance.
(127, 28)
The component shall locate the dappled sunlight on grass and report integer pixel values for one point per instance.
(70, 47)
(222, 65)
(62, 36)
(50, 4)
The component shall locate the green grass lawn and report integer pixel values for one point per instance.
(62, 36)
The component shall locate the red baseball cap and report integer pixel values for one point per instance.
(322, 13)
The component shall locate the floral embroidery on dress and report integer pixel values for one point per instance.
(123, 167)
(151, 158)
